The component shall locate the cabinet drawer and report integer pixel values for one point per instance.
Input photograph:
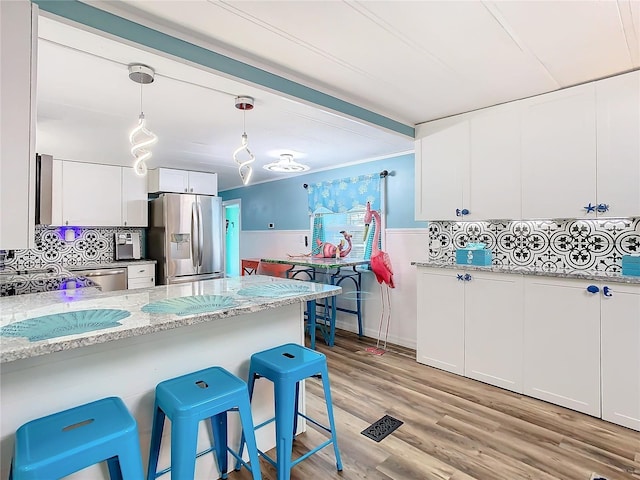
(141, 282)
(141, 271)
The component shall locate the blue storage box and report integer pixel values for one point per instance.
(631, 265)
(473, 256)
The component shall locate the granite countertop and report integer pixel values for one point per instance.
(318, 262)
(561, 273)
(241, 295)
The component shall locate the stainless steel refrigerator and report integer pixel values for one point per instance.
(186, 237)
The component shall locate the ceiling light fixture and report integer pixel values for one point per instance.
(141, 138)
(286, 164)
(244, 167)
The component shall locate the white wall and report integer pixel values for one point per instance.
(402, 245)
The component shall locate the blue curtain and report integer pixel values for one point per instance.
(340, 196)
(345, 194)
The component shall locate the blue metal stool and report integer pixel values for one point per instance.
(190, 398)
(66, 442)
(286, 366)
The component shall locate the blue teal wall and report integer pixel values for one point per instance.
(284, 202)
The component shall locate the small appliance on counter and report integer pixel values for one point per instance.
(127, 246)
(474, 254)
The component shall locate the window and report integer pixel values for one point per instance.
(350, 222)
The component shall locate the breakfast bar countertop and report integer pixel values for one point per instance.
(615, 277)
(138, 312)
(318, 262)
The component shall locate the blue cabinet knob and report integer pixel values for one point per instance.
(460, 277)
(592, 289)
(602, 207)
(590, 208)
(606, 291)
(461, 213)
(467, 278)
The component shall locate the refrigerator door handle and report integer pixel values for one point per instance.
(200, 235)
(194, 230)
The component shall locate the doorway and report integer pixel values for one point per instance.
(232, 237)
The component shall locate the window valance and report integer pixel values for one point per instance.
(345, 195)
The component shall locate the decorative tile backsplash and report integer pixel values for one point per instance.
(549, 245)
(89, 246)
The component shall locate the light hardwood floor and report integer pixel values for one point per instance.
(454, 428)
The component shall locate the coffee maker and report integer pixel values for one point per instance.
(127, 246)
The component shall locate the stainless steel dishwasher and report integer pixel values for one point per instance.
(109, 279)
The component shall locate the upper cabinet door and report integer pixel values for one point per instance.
(559, 154)
(18, 45)
(168, 180)
(442, 169)
(134, 199)
(618, 114)
(203, 183)
(494, 180)
(91, 194)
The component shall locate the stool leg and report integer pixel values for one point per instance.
(129, 458)
(114, 468)
(184, 442)
(250, 383)
(246, 418)
(284, 394)
(296, 408)
(219, 427)
(332, 423)
(156, 437)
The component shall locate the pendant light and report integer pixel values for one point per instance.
(244, 167)
(286, 164)
(141, 138)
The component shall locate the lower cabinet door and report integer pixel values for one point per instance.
(440, 328)
(562, 343)
(494, 318)
(141, 282)
(620, 310)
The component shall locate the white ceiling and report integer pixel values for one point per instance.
(411, 61)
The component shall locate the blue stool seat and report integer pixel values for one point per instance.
(286, 366)
(188, 399)
(63, 443)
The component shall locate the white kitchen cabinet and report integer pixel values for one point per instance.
(203, 183)
(620, 317)
(470, 170)
(470, 323)
(182, 181)
(562, 343)
(91, 194)
(618, 145)
(559, 153)
(18, 48)
(141, 276)
(134, 199)
(442, 168)
(440, 317)
(494, 177)
(493, 328)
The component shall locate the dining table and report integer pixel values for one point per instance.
(333, 271)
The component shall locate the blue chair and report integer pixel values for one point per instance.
(286, 366)
(188, 399)
(63, 443)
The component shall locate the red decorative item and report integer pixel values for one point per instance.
(382, 269)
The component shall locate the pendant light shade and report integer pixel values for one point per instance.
(244, 166)
(141, 138)
(286, 164)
